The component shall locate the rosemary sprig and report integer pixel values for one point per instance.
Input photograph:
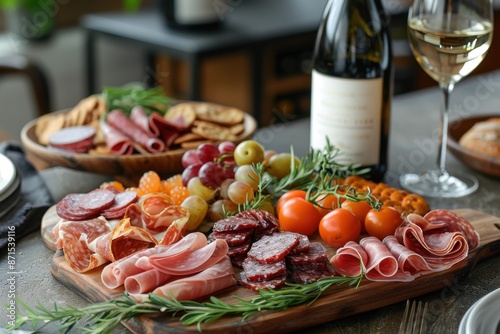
(126, 98)
(107, 315)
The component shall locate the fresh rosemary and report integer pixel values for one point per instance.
(105, 316)
(126, 98)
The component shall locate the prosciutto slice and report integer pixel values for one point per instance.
(118, 120)
(217, 277)
(177, 251)
(124, 240)
(114, 274)
(156, 125)
(440, 249)
(194, 262)
(117, 142)
(146, 281)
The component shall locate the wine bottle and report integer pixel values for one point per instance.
(352, 81)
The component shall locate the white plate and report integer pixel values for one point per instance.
(7, 174)
(8, 191)
(484, 316)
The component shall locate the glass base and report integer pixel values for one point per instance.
(439, 184)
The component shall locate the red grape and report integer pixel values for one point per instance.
(212, 174)
(190, 172)
(189, 158)
(207, 152)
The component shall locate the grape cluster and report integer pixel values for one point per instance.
(211, 173)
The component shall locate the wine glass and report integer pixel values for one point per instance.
(448, 38)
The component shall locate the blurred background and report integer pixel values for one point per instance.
(44, 55)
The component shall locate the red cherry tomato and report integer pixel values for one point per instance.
(383, 222)
(298, 215)
(359, 209)
(288, 195)
(338, 227)
(326, 203)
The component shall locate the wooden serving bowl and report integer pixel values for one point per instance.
(126, 168)
(480, 162)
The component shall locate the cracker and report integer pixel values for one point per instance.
(183, 113)
(219, 114)
(212, 131)
(187, 137)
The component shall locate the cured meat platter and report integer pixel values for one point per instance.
(335, 303)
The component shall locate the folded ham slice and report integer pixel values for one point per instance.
(116, 141)
(440, 249)
(419, 246)
(146, 281)
(212, 279)
(118, 120)
(156, 125)
(194, 262)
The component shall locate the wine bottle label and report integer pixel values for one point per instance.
(349, 113)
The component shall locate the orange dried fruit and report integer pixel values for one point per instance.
(170, 183)
(179, 194)
(150, 182)
(113, 185)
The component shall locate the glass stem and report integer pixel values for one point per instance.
(441, 159)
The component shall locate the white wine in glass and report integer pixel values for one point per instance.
(448, 38)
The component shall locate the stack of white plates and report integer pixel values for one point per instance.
(483, 317)
(10, 185)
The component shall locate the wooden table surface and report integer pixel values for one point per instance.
(415, 120)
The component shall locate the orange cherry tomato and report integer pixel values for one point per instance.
(359, 209)
(326, 203)
(338, 227)
(300, 216)
(288, 195)
(383, 222)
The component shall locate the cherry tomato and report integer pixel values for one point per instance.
(338, 227)
(288, 195)
(299, 215)
(326, 203)
(359, 209)
(383, 222)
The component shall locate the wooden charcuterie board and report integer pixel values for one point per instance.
(337, 302)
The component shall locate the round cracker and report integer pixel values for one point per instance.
(212, 131)
(182, 113)
(219, 114)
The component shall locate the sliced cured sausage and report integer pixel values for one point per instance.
(78, 139)
(275, 283)
(97, 200)
(69, 208)
(121, 202)
(257, 272)
(272, 248)
(234, 223)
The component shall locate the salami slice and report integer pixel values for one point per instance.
(233, 238)
(258, 272)
(316, 253)
(274, 283)
(97, 200)
(272, 248)
(306, 276)
(68, 208)
(121, 201)
(234, 223)
(74, 138)
(119, 120)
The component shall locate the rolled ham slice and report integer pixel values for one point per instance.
(146, 281)
(115, 273)
(121, 122)
(452, 222)
(156, 125)
(117, 142)
(212, 279)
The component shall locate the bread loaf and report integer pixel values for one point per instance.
(483, 137)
